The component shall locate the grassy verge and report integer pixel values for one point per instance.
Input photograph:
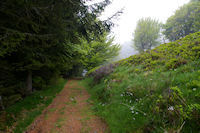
(17, 117)
(155, 91)
(153, 101)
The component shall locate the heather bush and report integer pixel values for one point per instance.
(101, 72)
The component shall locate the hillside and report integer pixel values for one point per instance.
(155, 91)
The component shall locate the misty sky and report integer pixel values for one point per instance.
(136, 9)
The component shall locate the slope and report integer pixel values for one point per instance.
(155, 91)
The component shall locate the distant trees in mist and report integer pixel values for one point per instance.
(146, 34)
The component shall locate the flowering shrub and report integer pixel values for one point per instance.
(101, 72)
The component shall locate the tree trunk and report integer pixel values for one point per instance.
(29, 82)
(143, 48)
(1, 101)
(150, 46)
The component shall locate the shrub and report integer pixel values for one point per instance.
(101, 72)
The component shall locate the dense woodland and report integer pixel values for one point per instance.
(44, 41)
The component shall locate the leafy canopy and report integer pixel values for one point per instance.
(146, 34)
(98, 52)
(37, 40)
(186, 20)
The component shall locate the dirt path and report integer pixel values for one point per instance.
(69, 113)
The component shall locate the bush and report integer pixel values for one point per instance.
(101, 72)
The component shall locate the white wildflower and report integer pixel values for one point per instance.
(132, 108)
(133, 118)
(136, 113)
(194, 89)
(132, 112)
(171, 108)
(121, 95)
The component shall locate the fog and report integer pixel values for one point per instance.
(133, 11)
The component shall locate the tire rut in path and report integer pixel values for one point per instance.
(69, 113)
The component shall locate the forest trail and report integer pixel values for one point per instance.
(69, 113)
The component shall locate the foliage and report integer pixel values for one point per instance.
(98, 52)
(186, 20)
(156, 91)
(24, 112)
(146, 34)
(100, 72)
(37, 40)
(170, 55)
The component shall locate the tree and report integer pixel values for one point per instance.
(98, 52)
(37, 39)
(186, 20)
(194, 0)
(146, 34)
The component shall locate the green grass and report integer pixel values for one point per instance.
(140, 101)
(24, 112)
(155, 91)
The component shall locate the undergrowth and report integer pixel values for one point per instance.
(19, 116)
(156, 91)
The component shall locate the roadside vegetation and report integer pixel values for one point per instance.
(19, 116)
(155, 91)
